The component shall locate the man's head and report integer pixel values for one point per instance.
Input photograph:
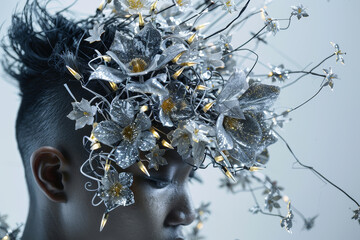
(40, 46)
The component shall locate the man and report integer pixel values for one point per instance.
(40, 46)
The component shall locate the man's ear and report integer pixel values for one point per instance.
(47, 165)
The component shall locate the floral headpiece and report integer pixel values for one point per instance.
(163, 72)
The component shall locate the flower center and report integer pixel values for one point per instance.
(86, 114)
(228, 4)
(299, 10)
(232, 123)
(115, 190)
(138, 65)
(168, 105)
(129, 133)
(135, 4)
(180, 2)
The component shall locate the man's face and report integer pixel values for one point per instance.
(162, 204)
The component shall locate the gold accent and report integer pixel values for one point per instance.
(6, 238)
(254, 169)
(102, 4)
(178, 73)
(135, 4)
(141, 21)
(168, 105)
(153, 6)
(177, 57)
(104, 220)
(200, 225)
(95, 146)
(201, 26)
(74, 73)
(231, 123)
(113, 86)
(166, 144)
(188, 64)
(143, 168)
(201, 87)
(106, 58)
(208, 106)
(219, 158)
(138, 65)
(144, 108)
(286, 198)
(228, 173)
(191, 39)
(129, 132)
(155, 133)
(107, 165)
(270, 74)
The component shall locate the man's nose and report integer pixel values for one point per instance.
(182, 211)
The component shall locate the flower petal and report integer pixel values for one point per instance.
(123, 111)
(108, 132)
(125, 179)
(126, 154)
(147, 141)
(223, 138)
(108, 74)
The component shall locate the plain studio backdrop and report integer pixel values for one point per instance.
(323, 134)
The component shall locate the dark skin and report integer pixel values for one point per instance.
(61, 207)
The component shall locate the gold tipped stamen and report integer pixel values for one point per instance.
(191, 39)
(201, 87)
(144, 108)
(153, 6)
(104, 220)
(106, 58)
(155, 133)
(107, 165)
(254, 169)
(178, 73)
(286, 198)
(113, 86)
(143, 168)
(166, 144)
(188, 64)
(219, 158)
(177, 57)
(95, 146)
(228, 174)
(208, 106)
(74, 73)
(102, 5)
(6, 238)
(141, 21)
(201, 26)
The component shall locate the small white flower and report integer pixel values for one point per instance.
(329, 77)
(95, 33)
(299, 11)
(132, 6)
(229, 5)
(83, 113)
(339, 54)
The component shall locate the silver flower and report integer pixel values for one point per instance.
(212, 61)
(95, 33)
(83, 113)
(299, 11)
(330, 76)
(156, 158)
(240, 127)
(229, 5)
(287, 221)
(183, 4)
(115, 191)
(339, 54)
(127, 127)
(356, 215)
(141, 54)
(278, 73)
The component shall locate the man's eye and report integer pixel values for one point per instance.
(158, 183)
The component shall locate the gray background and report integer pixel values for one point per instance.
(324, 134)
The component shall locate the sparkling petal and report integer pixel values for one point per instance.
(126, 154)
(125, 179)
(108, 132)
(123, 111)
(108, 74)
(224, 139)
(147, 141)
(147, 42)
(143, 122)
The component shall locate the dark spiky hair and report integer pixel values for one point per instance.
(37, 49)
